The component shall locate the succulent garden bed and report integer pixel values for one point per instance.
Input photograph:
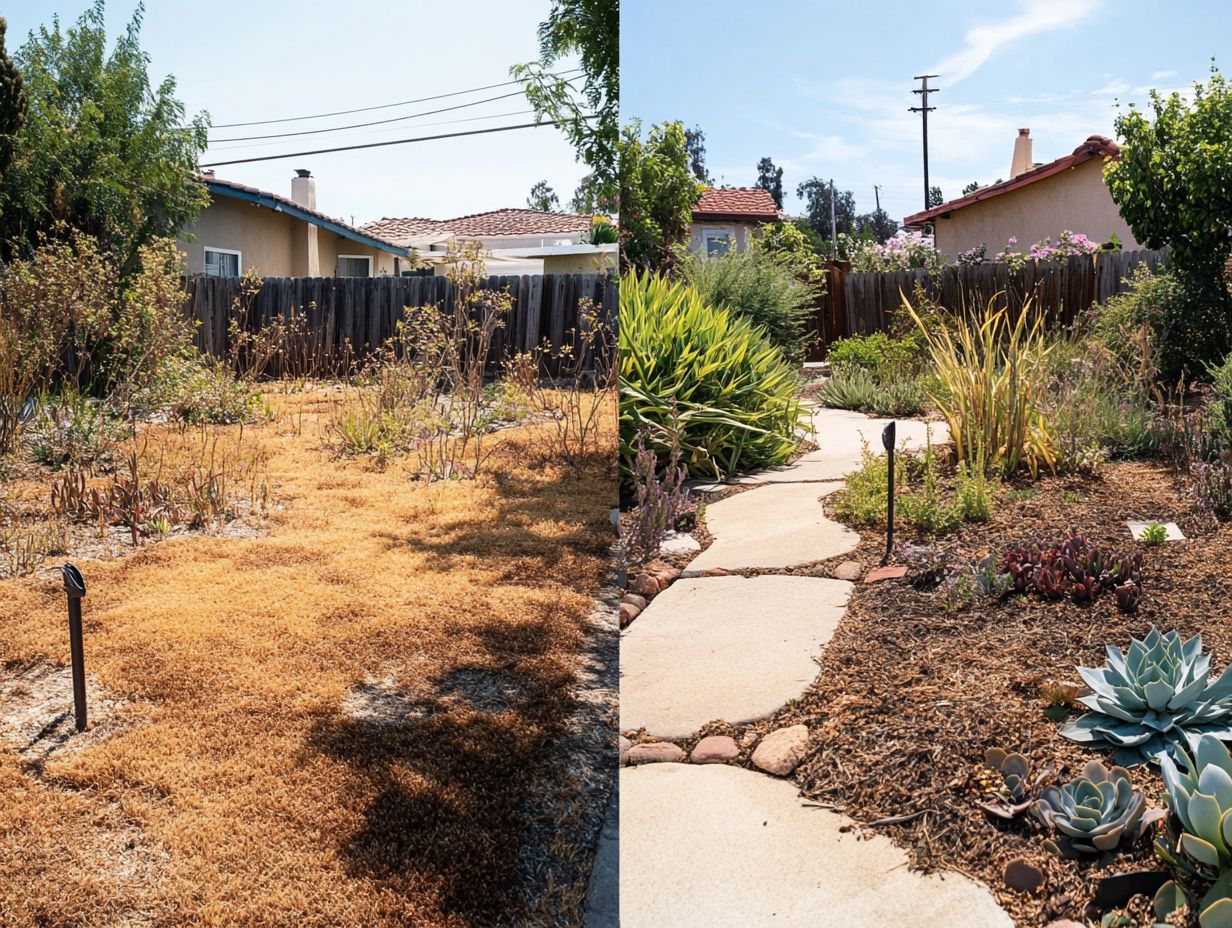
(917, 684)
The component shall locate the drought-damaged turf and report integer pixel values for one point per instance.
(356, 718)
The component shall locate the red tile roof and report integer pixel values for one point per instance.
(493, 222)
(1096, 146)
(748, 203)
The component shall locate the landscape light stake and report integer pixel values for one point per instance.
(75, 589)
(887, 441)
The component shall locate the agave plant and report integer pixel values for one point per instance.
(1198, 839)
(1018, 787)
(1148, 699)
(1094, 812)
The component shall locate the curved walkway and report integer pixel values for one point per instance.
(714, 844)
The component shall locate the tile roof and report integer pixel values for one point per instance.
(1096, 146)
(493, 222)
(277, 201)
(736, 203)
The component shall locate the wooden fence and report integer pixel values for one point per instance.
(346, 318)
(861, 303)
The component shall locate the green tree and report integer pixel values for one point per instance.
(770, 179)
(971, 187)
(588, 198)
(542, 197)
(695, 143)
(1171, 180)
(101, 150)
(657, 194)
(815, 193)
(935, 196)
(590, 118)
(12, 106)
(877, 225)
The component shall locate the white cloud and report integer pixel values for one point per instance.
(984, 41)
(1160, 75)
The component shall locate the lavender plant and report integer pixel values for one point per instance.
(660, 500)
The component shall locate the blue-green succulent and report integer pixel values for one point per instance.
(1153, 699)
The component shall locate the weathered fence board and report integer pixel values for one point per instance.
(859, 303)
(345, 318)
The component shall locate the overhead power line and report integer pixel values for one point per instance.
(424, 138)
(383, 106)
(377, 122)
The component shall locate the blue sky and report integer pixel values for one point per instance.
(823, 88)
(246, 61)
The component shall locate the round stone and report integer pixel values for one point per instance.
(782, 750)
(715, 749)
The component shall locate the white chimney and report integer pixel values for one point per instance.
(304, 193)
(304, 187)
(1022, 153)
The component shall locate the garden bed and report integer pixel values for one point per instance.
(910, 694)
(459, 616)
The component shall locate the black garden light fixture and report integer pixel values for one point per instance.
(75, 590)
(887, 441)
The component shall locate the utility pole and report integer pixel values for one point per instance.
(833, 229)
(923, 109)
(877, 195)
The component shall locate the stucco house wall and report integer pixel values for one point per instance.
(578, 264)
(264, 238)
(330, 245)
(744, 232)
(1075, 199)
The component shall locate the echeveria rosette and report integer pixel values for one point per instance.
(1198, 840)
(1153, 699)
(1093, 813)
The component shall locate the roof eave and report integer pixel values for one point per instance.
(289, 209)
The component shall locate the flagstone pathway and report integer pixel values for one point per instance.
(707, 844)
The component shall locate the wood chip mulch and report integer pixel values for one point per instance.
(910, 696)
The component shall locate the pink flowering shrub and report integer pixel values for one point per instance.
(1067, 245)
(902, 252)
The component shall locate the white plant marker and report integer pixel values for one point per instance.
(1138, 530)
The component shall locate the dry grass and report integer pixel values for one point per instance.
(237, 785)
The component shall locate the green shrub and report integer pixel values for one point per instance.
(192, 388)
(73, 430)
(1219, 410)
(1184, 325)
(879, 353)
(703, 377)
(973, 495)
(760, 287)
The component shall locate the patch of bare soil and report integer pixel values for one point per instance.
(911, 694)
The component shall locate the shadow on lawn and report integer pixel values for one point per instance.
(508, 534)
(448, 790)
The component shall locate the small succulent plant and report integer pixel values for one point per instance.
(1148, 699)
(1093, 813)
(1154, 534)
(1072, 566)
(1128, 595)
(1198, 837)
(1018, 788)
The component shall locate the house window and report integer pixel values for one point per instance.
(222, 262)
(354, 266)
(717, 242)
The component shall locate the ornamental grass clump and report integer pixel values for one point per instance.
(1148, 700)
(1094, 813)
(1197, 840)
(991, 375)
(702, 379)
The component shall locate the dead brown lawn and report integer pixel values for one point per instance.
(234, 786)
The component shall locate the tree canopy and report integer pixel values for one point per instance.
(101, 150)
(770, 179)
(815, 193)
(657, 193)
(542, 197)
(935, 196)
(12, 105)
(695, 143)
(589, 29)
(1171, 180)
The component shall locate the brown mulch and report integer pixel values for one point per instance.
(909, 696)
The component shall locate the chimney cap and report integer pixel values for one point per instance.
(303, 172)
(1024, 131)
